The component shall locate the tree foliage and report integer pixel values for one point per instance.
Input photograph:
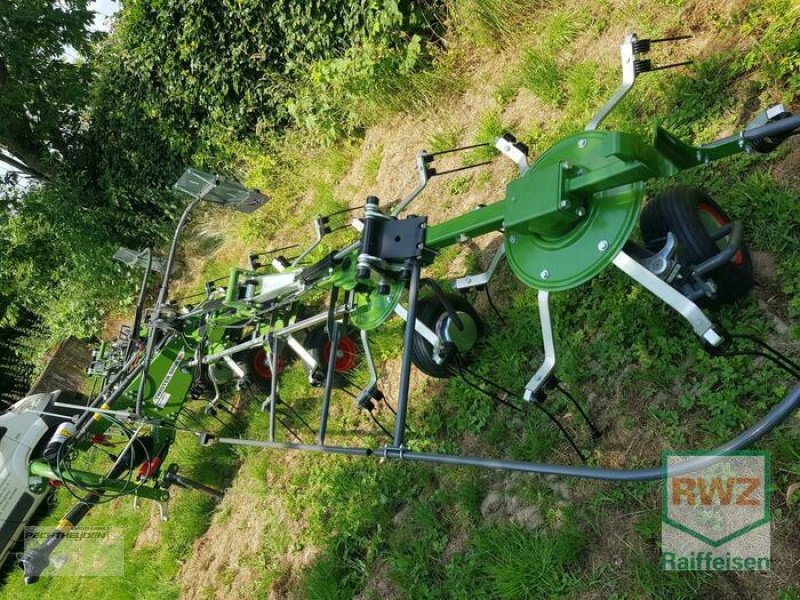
(41, 94)
(176, 83)
(233, 65)
(55, 261)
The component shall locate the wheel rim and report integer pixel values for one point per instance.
(346, 354)
(465, 339)
(713, 219)
(261, 365)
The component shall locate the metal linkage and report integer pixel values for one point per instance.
(162, 297)
(423, 330)
(470, 281)
(535, 385)
(262, 339)
(663, 263)
(365, 396)
(632, 67)
(701, 324)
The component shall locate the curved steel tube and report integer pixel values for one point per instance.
(773, 418)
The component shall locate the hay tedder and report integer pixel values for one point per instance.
(568, 216)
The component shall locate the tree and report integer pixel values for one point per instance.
(41, 94)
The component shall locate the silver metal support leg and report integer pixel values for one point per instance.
(419, 327)
(549, 363)
(422, 172)
(303, 354)
(235, 369)
(701, 324)
(373, 372)
(628, 77)
(469, 281)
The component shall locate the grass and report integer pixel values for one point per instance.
(446, 138)
(542, 75)
(460, 185)
(489, 128)
(488, 24)
(510, 562)
(419, 531)
(373, 165)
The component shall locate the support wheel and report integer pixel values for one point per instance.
(259, 371)
(693, 217)
(318, 344)
(432, 313)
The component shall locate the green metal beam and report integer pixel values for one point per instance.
(97, 482)
(472, 224)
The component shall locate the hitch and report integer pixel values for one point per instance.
(171, 477)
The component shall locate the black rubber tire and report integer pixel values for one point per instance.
(429, 311)
(315, 343)
(688, 213)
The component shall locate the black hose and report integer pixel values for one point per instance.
(779, 127)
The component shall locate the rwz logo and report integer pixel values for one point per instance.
(737, 491)
(715, 511)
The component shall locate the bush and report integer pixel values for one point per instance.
(56, 261)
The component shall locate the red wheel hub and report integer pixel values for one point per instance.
(346, 354)
(261, 364)
(720, 220)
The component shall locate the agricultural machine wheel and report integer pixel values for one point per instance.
(318, 344)
(257, 366)
(432, 313)
(692, 217)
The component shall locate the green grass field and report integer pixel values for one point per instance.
(323, 527)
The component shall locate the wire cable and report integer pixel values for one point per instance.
(63, 466)
(511, 394)
(776, 357)
(379, 424)
(491, 303)
(595, 431)
(780, 359)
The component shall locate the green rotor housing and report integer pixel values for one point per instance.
(557, 237)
